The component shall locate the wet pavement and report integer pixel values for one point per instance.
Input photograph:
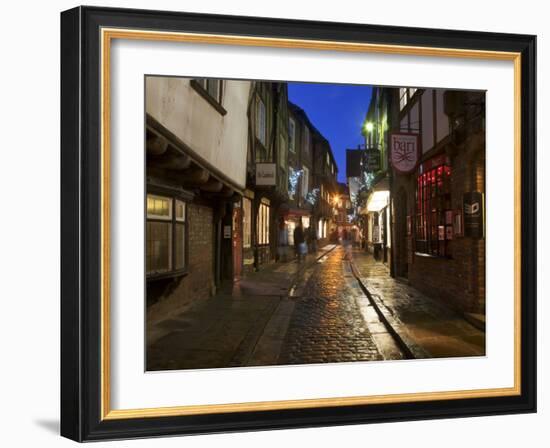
(340, 305)
(327, 324)
(225, 330)
(428, 326)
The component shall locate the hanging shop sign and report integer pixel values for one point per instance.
(404, 152)
(372, 160)
(266, 174)
(473, 214)
(354, 162)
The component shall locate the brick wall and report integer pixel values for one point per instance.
(460, 279)
(175, 294)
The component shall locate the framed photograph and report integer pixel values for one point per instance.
(230, 264)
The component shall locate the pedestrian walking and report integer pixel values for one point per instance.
(282, 242)
(312, 239)
(299, 242)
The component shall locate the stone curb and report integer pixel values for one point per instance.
(406, 343)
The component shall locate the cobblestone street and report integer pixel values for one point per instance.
(338, 306)
(327, 324)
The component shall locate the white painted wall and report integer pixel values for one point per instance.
(219, 139)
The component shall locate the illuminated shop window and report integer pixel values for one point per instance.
(433, 205)
(263, 224)
(166, 235)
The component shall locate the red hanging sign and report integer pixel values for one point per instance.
(404, 152)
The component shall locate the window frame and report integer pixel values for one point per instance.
(432, 202)
(174, 221)
(201, 87)
(263, 224)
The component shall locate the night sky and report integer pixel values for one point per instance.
(337, 111)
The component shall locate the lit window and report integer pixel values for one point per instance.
(166, 235)
(433, 202)
(263, 224)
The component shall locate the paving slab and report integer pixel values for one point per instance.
(423, 322)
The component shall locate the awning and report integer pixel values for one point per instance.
(379, 197)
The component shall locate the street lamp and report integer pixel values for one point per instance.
(369, 126)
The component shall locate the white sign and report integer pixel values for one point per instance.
(227, 231)
(404, 152)
(266, 174)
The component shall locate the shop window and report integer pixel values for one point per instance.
(433, 211)
(263, 224)
(166, 235)
(247, 223)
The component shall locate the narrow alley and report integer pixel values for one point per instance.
(338, 306)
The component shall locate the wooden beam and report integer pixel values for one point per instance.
(227, 192)
(212, 186)
(195, 176)
(171, 160)
(155, 144)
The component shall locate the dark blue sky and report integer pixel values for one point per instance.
(337, 111)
